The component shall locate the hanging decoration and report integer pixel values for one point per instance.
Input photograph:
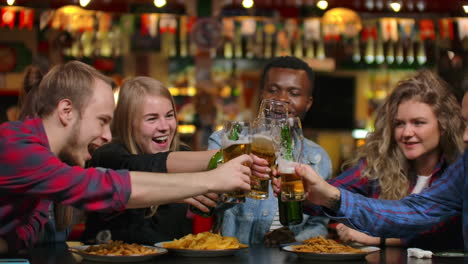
(462, 27)
(369, 30)
(26, 18)
(8, 16)
(46, 18)
(145, 24)
(446, 28)
(426, 27)
(389, 29)
(406, 28)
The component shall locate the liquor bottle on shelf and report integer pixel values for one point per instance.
(298, 49)
(213, 164)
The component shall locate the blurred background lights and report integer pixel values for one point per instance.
(159, 3)
(247, 3)
(396, 6)
(10, 2)
(322, 4)
(84, 3)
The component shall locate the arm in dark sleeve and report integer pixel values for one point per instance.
(115, 156)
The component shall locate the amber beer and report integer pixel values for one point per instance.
(233, 150)
(292, 188)
(263, 147)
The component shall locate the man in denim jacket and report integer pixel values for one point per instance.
(286, 79)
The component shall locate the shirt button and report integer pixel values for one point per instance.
(265, 213)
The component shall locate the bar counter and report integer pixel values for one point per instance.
(256, 255)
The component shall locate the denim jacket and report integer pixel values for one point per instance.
(250, 221)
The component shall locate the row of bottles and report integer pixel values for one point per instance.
(260, 45)
(411, 52)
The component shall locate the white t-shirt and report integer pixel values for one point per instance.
(423, 182)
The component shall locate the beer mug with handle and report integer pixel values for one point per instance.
(288, 157)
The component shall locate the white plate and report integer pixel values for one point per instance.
(333, 256)
(132, 258)
(200, 252)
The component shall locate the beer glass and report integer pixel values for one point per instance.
(273, 109)
(235, 141)
(288, 157)
(265, 135)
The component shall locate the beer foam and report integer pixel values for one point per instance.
(286, 166)
(263, 141)
(261, 136)
(228, 142)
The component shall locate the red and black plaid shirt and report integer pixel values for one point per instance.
(31, 177)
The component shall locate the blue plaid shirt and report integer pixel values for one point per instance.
(447, 197)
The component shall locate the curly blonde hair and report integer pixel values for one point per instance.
(385, 160)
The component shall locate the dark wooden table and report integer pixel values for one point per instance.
(256, 255)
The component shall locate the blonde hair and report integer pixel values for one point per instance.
(129, 107)
(385, 160)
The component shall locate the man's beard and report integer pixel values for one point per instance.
(68, 153)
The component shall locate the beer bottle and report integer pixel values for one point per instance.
(213, 164)
(290, 213)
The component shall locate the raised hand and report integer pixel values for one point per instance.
(231, 176)
(317, 190)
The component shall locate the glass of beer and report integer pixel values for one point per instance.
(271, 108)
(288, 157)
(264, 145)
(235, 141)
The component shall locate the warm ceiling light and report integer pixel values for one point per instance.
(322, 4)
(159, 3)
(10, 2)
(247, 3)
(465, 7)
(395, 6)
(84, 3)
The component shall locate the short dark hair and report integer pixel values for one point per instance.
(288, 62)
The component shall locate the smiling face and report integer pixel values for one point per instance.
(92, 129)
(156, 125)
(291, 86)
(417, 131)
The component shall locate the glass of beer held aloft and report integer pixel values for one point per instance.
(265, 135)
(271, 108)
(235, 141)
(289, 157)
